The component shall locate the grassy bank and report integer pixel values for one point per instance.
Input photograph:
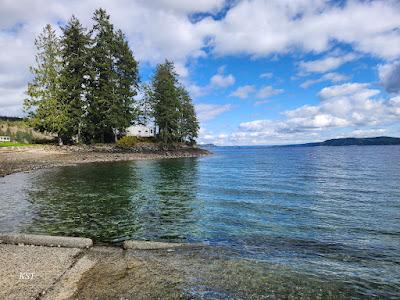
(15, 144)
(21, 133)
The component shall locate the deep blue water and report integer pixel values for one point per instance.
(330, 212)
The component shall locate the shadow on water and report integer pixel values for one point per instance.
(115, 201)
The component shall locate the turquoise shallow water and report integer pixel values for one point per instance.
(324, 212)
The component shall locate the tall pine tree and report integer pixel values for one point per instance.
(114, 83)
(75, 74)
(102, 88)
(172, 107)
(123, 111)
(188, 123)
(45, 112)
(165, 101)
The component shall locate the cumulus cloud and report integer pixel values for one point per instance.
(325, 64)
(217, 81)
(350, 104)
(167, 29)
(244, 91)
(155, 29)
(222, 81)
(332, 76)
(281, 26)
(368, 132)
(268, 91)
(354, 106)
(206, 112)
(389, 75)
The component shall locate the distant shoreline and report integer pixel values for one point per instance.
(23, 159)
(372, 141)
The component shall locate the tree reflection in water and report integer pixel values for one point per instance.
(110, 202)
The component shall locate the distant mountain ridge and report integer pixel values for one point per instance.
(380, 140)
(207, 145)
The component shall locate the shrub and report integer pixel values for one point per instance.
(127, 141)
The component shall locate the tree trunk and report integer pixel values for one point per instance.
(60, 141)
(79, 133)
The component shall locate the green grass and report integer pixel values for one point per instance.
(14, 144)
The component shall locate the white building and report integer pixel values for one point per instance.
(5, 139)
(141, 130)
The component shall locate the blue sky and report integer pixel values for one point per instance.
(259, 72)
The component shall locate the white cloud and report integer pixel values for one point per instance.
(332, 76)
(206, 112)
(222, 81)
(368, 132)
(217, 81)
(164, 29)
(282, 26)
(389, 75)
(351, 106)
(185, 6)
(243, 92)
(268, 91)
(264, 92)
(327, 63)
(196, 90)
(153, 28)
(266, 75)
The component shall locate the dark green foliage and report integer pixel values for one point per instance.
(114, 83)
(102, 88)
(75, 74)
(84, 87)
(45, 112)
(172, 107)
(188, 123)
(126, 69)
(165, 99)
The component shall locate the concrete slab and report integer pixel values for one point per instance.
(45, 240)
(148, 245)
(28, 271)
(67, 285)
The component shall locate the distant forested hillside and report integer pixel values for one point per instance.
(380, 140)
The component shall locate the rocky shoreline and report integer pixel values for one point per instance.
(22, 159)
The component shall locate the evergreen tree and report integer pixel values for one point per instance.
(189, 125)
(102, 88)
(171, 107)
(144, 106)
(75, 74)
(165, 101)
(115, 80)
(122, 111)
(45, 112)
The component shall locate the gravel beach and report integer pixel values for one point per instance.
(22, 159)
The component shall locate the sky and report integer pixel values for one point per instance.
(259, 72)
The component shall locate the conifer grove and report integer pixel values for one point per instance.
(85, 82)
